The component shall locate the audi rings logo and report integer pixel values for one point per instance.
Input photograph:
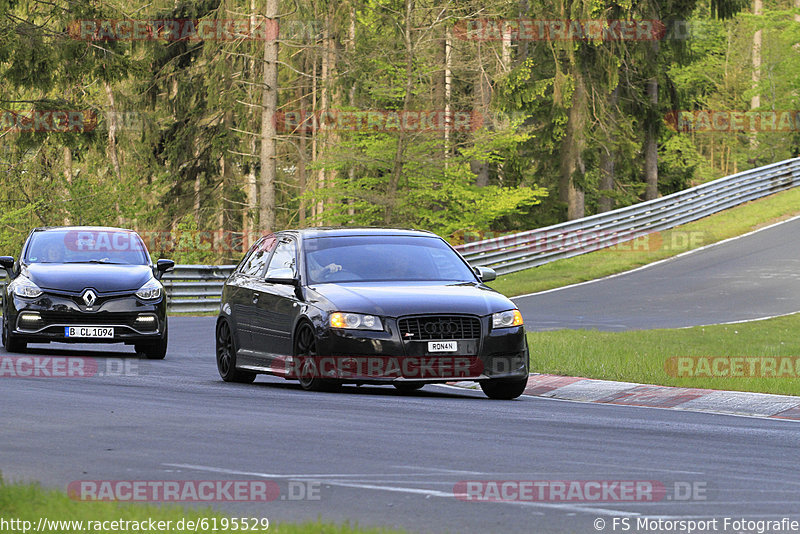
(441, 327)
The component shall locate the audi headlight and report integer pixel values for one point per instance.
(151, 290)
(507, 319)
(355, 321)
(24, 287)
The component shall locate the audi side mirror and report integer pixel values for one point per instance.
(486, 274)
(284, 275)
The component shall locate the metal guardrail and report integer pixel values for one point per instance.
(516, 252)
(197, 288)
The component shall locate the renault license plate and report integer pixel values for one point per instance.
(89, 331)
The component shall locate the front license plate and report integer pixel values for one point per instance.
(89, 331)
(442, 346)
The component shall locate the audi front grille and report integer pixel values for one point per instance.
(439, 327)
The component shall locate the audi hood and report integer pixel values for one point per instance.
(393, 299)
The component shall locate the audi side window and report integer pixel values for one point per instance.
(283, 258)
(255, 262)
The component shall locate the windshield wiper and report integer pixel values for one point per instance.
(106, 262)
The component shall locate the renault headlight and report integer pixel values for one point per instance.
(24, 287)
(355, 321)
(151, 290)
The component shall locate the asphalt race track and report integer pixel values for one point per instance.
(747, 278)
(378, 457)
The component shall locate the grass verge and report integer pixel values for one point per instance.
(658, 246)
(30, 503)
(649, 356)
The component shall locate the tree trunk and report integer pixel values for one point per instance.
(112, 131)
(606, 203)
(522, 46)
(302, 177)
(651, 149)
(196, 204)
(607, 161)
(505, 55)
(351, 100)
(251, 182)
(226, 171)
(67, 176)
(651, 136)
(397, 165)
(68, 164)
(198, 184)
(481, 101)
(448, 88)
(755, 100)
(112, 145)
(570, 153)
(314, 129)
(327, 99)
(269, 102)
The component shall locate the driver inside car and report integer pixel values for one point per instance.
(54, 254)
(318, 272)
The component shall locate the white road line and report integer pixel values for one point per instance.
(293, 476)
(453, 471)
(744, 320)
(791, 502)
(413, 491)
(629, 468)
(535, 504)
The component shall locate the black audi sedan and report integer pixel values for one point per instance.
(82, 284)
(328, 306)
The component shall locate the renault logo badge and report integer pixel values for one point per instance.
(89, 298)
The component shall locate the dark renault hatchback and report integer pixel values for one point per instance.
(85, 285)
(368, 306)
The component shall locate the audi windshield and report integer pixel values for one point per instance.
(383, 258)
